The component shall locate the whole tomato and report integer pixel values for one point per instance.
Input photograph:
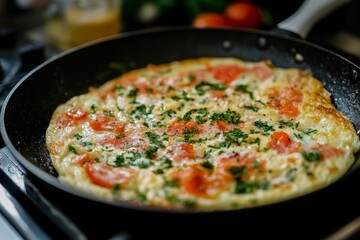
(204, 20)
(244, 14)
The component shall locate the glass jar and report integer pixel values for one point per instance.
(72, 23)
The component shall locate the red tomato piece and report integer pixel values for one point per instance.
(233, 161)
(183, 151)
(329, 152)
(244, 14)
(289, 109)
(222, 125)
(146, 88)
(218, 94)
(178, 127)
(205, 20)
(281, 142)
(113, 141)
(107, 176)
(262, 72)
(286, 101)
(200, 182)
(227, 73)
(82, 159)
(76, 113)
(107, 123)
(73, 116)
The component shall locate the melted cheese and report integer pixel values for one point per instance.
(209, 133)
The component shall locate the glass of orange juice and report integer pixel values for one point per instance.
(89, 20)
(80, 21)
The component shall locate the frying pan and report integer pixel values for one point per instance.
(28, 108)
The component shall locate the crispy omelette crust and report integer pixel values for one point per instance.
(208, 133)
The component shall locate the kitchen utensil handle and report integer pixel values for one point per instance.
(310, 12)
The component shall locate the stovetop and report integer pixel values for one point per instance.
(36, 211)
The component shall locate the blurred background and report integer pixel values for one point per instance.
(62, 24)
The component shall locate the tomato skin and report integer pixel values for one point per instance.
(72, 117)
(117, 143)
(200, 182)
(205, 20)
(184, 151)
(286, 102)
(227, 73)
(178, 127)
(106, 123)
(282, 143)
(244, 15)
(82, 159)
(262, 72)
(329, 152)
(106, 176)
(76, 114)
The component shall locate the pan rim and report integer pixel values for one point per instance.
(53, 181)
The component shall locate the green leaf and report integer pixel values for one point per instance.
(314, 156)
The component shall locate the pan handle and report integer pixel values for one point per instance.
(310, 12)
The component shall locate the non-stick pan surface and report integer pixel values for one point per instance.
(27, 110)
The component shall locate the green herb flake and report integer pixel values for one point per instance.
(151, 152)
(116, 190)
(314, 156)
(263, 126)
(72, 149)
(132, 93)
(250, 107)
(202, 87)
(93, 109)
(78, 136)
(245, 187)
(207, 165)
(310, 131)
(298, 136)
(190, 203)
(155, 139)
(141, 197)
(109, 113)
(282, 124)
(229, 116)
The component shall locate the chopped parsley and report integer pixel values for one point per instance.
(150, 152)
(132, 93)
(250, 107)
(234, 136)
(78, 136)
(109, 113)
(201, 114)
(142, 111)
(282, 124)
(202, 87)
(244, 88)
(72, 149)
(130, 158)
(155, 139)
(183, 96)
(169, 113)
(93, 109)
(229, 116)
(314, 156)
(207, 165)
(263, 126)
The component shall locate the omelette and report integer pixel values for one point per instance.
(206, 134)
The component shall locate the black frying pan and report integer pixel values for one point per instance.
(28, 108)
